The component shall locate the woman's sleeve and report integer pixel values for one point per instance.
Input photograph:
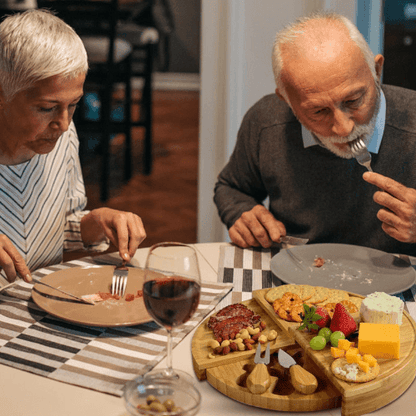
(77, 200)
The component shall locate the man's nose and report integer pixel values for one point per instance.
(342, 123)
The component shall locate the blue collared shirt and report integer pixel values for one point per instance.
(375, 142)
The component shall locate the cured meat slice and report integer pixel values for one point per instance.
(231, 320)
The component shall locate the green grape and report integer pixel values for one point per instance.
(318, 343)
(326, 333)
(335, 337)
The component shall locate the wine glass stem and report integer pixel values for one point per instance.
(169, 368)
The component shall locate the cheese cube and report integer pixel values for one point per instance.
(368, 358)
(352, 357)
(337, 353)
(344, 344)
(364, 366)
(379, 340)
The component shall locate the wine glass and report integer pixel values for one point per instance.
(171, 293)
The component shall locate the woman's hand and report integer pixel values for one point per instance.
(124, 229)
(11, 261)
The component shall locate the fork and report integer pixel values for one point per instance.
(120, 279)
(363, 156)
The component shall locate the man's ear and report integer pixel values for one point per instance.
(379, 62)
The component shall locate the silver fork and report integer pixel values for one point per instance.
(363, 156)
(120, 279)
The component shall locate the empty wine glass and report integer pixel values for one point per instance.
(171, 292)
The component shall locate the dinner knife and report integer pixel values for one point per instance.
(88, 302)
(303, 381)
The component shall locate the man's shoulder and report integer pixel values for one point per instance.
(269, 111)
(400, 108)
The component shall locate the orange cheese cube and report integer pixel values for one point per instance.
(352, 356)
(368, 358)
(337, 352)
(379, 340)
(364, 366)
(344, 344)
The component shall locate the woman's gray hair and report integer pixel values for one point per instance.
(35, 45)
(290, 33)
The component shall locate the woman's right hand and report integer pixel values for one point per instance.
(12, 262)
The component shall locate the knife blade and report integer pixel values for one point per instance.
(87, 301)
(294, 241)
(259, 379)
(303, 381)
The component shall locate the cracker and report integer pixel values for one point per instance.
(336, 296)
(356, 301)
(277, 292)
(361, 376)
(320, 295)
(307, 292)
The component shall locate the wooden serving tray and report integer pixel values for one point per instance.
(228, 373)
(359, 398)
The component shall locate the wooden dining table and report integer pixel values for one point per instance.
(23, 393)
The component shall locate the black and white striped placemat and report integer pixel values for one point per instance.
(102, 359)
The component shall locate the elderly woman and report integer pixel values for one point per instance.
(43, 65)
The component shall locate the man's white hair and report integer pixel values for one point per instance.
(290, 33)
(35, 45)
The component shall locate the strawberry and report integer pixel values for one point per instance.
(322, 323)
(342, 321)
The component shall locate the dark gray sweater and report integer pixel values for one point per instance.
(315, 193)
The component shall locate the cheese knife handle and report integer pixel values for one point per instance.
(303, 381)
(259, 380)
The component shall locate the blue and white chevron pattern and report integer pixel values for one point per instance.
(41, 203)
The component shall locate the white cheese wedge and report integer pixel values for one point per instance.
(381, 308)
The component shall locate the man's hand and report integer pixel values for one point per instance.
(124, 229)
(398, 216)
(255, 228)
(11, 261)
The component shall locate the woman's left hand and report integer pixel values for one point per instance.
(124, 229)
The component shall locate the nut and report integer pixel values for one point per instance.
(211, 355)
(225, 343)
(253, 331)
(238, 340)
(272, 335)
(244, 334)
(249, 346)
(226, 350)
(248, 341)
(255, 337)
(262, 339)
(241, 346)
(218, 350)
(213, 343)
(157, 406)
(233, 346)
(262, 325)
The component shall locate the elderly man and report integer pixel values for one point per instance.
(295, 148)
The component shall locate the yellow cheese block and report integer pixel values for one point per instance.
(379, 340)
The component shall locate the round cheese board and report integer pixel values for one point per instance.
(228, 373)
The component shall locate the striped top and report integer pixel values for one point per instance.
(42, 202)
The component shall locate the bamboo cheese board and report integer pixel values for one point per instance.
(228, 373)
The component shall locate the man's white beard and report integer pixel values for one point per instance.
(363, 131)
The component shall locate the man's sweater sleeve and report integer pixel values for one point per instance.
(239, 186)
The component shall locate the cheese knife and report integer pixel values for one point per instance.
(259, 379)
(303, 381)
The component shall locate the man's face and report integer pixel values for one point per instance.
(337, 99)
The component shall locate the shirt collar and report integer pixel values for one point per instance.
(375, 142)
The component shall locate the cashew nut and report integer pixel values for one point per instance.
(213, 343)
(253, 331)
(272, 335)
(211, 355)
(225, 343)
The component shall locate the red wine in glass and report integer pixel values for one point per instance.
(171, 301)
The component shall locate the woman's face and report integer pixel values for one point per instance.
(32, 122)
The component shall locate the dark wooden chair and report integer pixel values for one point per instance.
(110, 62)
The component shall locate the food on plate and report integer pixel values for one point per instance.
(342, 321)
(349, 306)
(319, 262)
(379, 340)
(381, 308)
(103, 296)
(326, 333)
(230, 320)
(326, 318)
(318, 343)
(358, 372)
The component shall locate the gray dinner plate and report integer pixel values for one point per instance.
(355, 269)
